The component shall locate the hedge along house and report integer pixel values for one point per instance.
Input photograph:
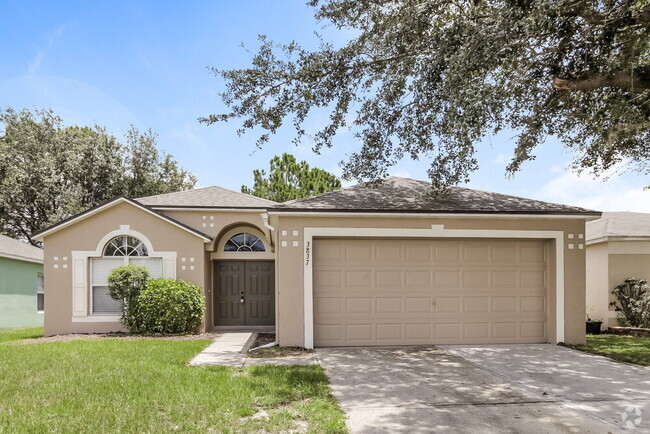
(389, 265)
(21, 284)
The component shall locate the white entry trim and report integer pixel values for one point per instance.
(436, 231)
(80, 286)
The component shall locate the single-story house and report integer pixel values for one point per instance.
(381, 265)
(21, 284)
(618, 247)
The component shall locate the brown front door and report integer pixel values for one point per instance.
(244, 293)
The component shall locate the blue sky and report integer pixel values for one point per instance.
(116, 63)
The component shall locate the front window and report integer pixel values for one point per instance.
(122, 250)
(40, 293)
(244, 242)
(125, 246)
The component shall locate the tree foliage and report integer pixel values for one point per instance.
(170, 306)
(289, 179)
(633, 304)
(49, 171)
(125, 284)
(431, 78)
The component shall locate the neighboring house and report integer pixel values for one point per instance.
(358, 266)
(21, 284)
(618, 247)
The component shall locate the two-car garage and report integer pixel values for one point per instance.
(399, 291)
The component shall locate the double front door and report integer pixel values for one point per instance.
(244, 293)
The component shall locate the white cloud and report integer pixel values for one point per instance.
(615, 194)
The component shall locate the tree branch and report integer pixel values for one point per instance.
(623, 80)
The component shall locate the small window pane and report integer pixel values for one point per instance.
(101, 268)
(103, 303)
(40, 294)
(244, 242)
(154, 265)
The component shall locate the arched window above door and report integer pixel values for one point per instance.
(244, 242)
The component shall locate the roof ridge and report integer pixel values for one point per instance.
(174, 192)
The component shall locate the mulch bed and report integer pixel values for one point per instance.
(267, 338)
(123, 336)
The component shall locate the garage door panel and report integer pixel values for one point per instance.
(447, 278)
(389, 253)
(429, 291)
(417, 253)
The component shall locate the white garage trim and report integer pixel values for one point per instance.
(436, 231)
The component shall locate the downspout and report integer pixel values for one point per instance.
(265, 219)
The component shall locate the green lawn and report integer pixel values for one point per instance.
(623, 348)
(144, 386)
(20, 334)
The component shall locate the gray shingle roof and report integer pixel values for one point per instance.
(207, 197)
(410, 195)
(619, 224)
(18, 249)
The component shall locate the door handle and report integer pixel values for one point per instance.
(241, 299)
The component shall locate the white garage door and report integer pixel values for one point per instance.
(413, 292)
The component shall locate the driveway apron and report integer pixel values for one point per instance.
(482, 389)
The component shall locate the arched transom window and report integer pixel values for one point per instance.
(125, 245)
(244, 242)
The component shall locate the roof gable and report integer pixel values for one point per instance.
(99, 208)
(397, 194)
(207, 197)
(14, 249)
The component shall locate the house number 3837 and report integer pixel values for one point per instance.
(307, 252)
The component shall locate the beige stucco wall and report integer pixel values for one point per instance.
(608, 265)
(290, 264)
(624, 265)
(85, 236)
(597, 278)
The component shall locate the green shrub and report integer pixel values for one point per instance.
(170, 306)
(125, 284)
(633, 303)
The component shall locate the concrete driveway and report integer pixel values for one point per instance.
(496, 388)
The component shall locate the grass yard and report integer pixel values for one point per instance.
(20, 334)
(628, 349)
(144, 386)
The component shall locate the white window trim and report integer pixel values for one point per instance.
(81, 283)
(436, 231)
(267, 254)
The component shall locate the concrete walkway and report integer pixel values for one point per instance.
(229, 349)
(487, 389)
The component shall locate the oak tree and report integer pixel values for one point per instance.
(49, 171)
(432, 78)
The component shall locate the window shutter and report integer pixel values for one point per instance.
(79, 287)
